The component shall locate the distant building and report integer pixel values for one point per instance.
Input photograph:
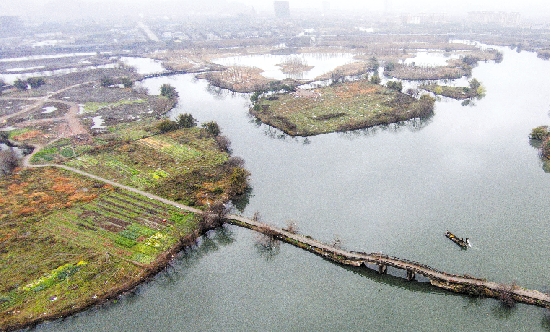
(425, 18)
(489, 17)
(281, 9)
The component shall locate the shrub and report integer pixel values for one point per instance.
(21, 84)
(539, 133)
(169, 91)
(224, 144)
(238, 181)
(234, 162)
(186, 120)
(375, 79)
(36, 82)
(505, 295)
(211, 128)
(470, 60)
(8, 161)
(166, 125)
(545, 148)
(394, 85)
(215, 215)
(291, 226)
(127, 82)
(106, 81)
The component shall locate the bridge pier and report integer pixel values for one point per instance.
(410, 275)
(382, 269)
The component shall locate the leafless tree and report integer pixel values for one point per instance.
(256, 216)
(215, 215)
(505, 295)
(224, 144)
(291, 226)
(8, 161)
(337, 242)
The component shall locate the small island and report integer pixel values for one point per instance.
(339, 107)
(474, 90)
(294, 65)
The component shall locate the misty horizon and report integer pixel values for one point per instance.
(95, 9)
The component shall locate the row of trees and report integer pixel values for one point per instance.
(186, 120)
(182, 121)
(110, 81)
(33, 82)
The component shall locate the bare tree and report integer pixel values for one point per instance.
(8, 161)
(256, 216)
(215, 215)
(291, 226)
(505, 295)
(337, 242)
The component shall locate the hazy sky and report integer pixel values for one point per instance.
(525, 7)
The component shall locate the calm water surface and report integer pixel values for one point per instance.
(321, 63)
(396, 189)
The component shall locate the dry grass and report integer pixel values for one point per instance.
(340, 107)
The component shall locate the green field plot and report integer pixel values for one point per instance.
(182, 165)
(67, 241)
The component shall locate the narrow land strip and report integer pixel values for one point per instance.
(452, 282)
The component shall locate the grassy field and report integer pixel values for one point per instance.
(67, 242)
(184, 165)
(339, 107)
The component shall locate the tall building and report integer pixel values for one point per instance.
(282, 9)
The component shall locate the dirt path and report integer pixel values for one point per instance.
(71, 117)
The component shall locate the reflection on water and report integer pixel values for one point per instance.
(267, 246)
(240, 202)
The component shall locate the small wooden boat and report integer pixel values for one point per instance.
(459, 241)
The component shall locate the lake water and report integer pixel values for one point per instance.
(430, 59)
(321, 63)
(397, 189)
(144, 65)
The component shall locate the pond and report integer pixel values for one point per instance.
(394, 189)
(144, 65)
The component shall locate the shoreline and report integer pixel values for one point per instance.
(150, 272)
